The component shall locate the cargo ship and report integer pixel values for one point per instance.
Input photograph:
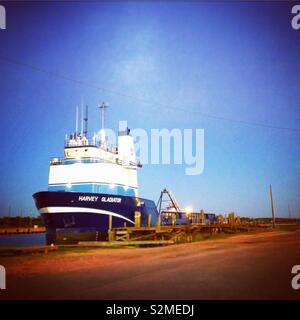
(93, 181)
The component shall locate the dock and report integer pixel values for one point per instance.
(12, 251)
(125, 243)
(179, 233)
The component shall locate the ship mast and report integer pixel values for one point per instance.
(85, 119)
(81, 127)
(102, 108)
(76, 128)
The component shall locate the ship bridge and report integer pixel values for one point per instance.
(94, 166)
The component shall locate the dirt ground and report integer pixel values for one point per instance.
(251, 266)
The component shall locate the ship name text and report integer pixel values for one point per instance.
(88, 198)
(103, 199)
(111, 199)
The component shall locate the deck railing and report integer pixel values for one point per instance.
(61, 161)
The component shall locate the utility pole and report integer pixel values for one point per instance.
(289, 210)
(272, 205)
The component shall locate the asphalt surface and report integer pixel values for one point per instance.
(248, 266)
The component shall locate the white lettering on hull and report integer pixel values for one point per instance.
(111, 199)
(103, 199)
(88, 198)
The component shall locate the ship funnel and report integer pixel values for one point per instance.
(126, 147)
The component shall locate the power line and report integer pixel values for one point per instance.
(155, 104)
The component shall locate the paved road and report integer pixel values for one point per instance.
(255, 266)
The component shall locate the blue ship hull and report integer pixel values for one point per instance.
(70, 217)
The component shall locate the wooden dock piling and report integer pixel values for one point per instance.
(137, 219)
(149, 220)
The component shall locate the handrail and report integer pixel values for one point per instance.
(82, 142)
(61, 161)
(85, 142)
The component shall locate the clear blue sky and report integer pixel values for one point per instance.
(234, 60)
